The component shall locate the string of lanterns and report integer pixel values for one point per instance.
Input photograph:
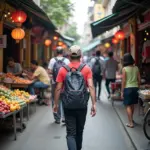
(119, 36)
(18, 17)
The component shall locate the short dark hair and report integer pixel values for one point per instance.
(75, 57)
(98, 53)
(128, 60)
(110, 54)
(10, 59)
(34, 62)
(59, 50)
(45, 64)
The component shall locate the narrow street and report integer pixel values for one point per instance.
(104, 132)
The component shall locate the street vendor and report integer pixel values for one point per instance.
(40, 77)
(13, 67)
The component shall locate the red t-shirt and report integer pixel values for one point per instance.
(86, 72)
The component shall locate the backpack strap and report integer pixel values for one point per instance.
(56, 58)
(81, 67)
(63, 59)
(67, 68)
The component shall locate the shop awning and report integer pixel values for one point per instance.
(91, 46)
(109, 22)
(33, 10)
(121, 5)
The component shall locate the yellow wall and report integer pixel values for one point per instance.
(99, 12)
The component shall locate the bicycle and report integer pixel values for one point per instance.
(146, 124)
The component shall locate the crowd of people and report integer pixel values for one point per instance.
(73, 80)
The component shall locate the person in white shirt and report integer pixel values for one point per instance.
(111, 68)
(59, 50)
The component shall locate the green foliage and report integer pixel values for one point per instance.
(58, 10)
(72, 32)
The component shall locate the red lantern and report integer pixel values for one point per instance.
(115, 41)
(37, 30)
(19, 16)
(48, 42)
(120, 35)
(55, 38)
(60, 43)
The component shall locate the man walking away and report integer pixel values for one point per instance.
(75, 78)
(97, 65)
(110, 70)
(54, 66)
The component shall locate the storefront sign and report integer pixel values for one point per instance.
(3, 41)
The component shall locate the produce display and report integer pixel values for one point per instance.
(10, 78)
(145, 94)
(4, 108)
(13, 100)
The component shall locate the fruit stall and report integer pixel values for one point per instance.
(12, 81)
(14, 102)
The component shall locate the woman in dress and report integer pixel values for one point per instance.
(130, 85)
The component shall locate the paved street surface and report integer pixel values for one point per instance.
(104, 132)
(136, 134)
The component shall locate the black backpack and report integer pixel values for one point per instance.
(58, 64)
(96, 69)
(75, 94)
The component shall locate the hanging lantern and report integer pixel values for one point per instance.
(37, 30)
(55, 38)
(19, 17)
(120, 35)
(60, 43)
(18, 34)
(48, 42)
(107, 45)
(115, 41)
(64, 46)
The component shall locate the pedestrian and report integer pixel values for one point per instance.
(75, 78)
(55, 64)
(111, 68)
(130, 85)
(97, 65)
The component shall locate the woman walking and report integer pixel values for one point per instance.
(130, 85)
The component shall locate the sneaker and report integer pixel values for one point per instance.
(63, 121)
(57, 121)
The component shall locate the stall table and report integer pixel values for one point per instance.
(28, 107)
(4, 116)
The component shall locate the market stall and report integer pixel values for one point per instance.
(116, 89)
(13, 102)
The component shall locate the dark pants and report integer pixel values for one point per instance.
(60, 113)
(97, 81)
(75, 121)
(108, 81)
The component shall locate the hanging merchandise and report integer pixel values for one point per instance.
(115, 41)
(120, 35)
(48, 42)
(18, 34)
(19, 17)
